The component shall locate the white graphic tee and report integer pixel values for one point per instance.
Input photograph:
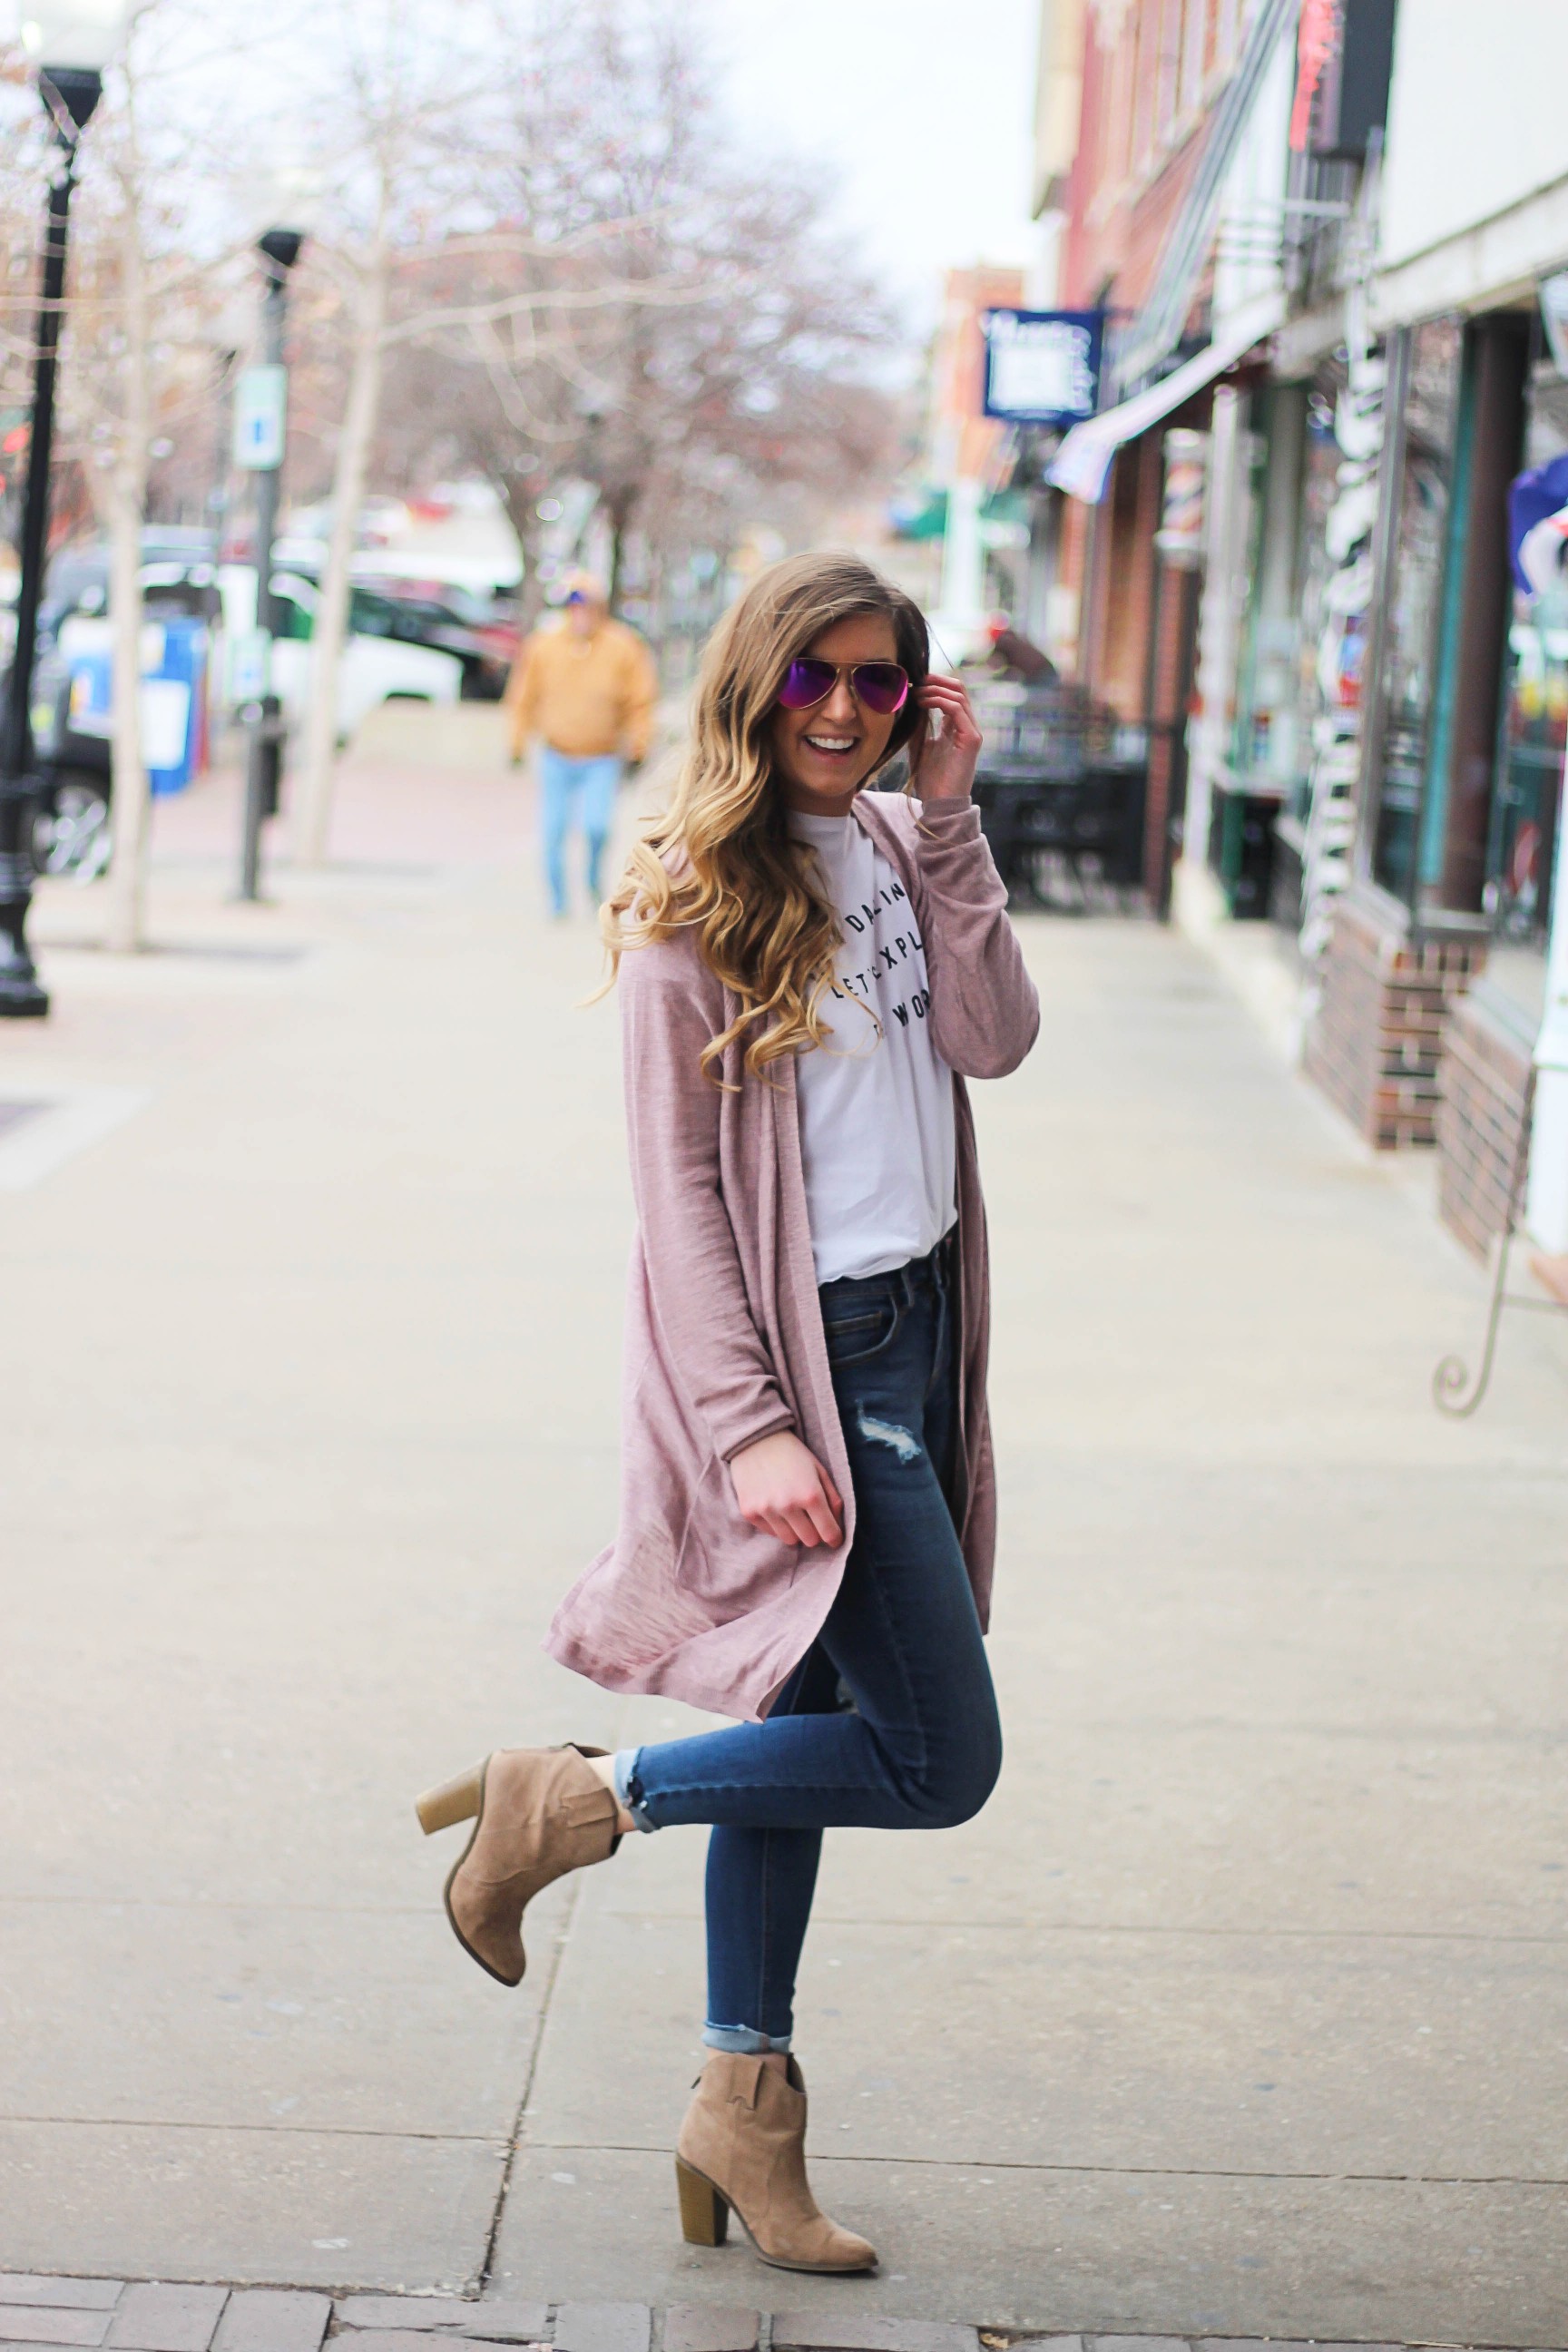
(877, 1130)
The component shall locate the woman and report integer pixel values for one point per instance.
(809, 971)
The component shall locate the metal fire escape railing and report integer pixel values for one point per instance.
(1157, 329)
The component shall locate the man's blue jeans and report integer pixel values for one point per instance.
(560, 781)
(889, 1721)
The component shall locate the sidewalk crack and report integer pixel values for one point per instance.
(531, 2068)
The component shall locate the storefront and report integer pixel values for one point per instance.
(1489, 1049)
(1435, 979)
(1533, 740)
(1428, 1026)
(1409, 934)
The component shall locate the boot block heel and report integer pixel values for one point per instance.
(704, 2214)
(453, 1801)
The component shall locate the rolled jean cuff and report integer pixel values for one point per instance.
(628, 1788)
(744, 2041)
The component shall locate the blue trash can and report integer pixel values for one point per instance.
(174, 692)
(172, 700)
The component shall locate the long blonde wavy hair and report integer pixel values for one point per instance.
(721, 860)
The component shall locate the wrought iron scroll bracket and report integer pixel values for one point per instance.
(1454, 1391)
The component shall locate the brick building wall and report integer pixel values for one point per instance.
(1374, 1043)
(1152, 69)
(1483, 1082)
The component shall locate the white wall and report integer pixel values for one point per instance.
(1477, 116)
(1247, 259)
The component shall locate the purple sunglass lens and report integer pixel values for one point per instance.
(880, 685)
(806, 682)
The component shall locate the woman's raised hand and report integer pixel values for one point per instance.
(943, 768)
(781, 1486)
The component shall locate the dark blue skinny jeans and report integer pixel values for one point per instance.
(889, 1721)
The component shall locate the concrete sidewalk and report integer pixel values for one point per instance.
(1240, 2011)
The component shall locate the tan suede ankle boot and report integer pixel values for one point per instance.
(537, 1812)
(742, 2150)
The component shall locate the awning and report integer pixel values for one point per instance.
(1081, 465)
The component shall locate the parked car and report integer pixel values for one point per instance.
(389, 610)
(179, 580)
(72, 832)
(377, 666)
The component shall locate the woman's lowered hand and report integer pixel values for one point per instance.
(943, 766)
(781, 1486)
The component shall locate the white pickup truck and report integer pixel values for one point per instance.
(72, 689)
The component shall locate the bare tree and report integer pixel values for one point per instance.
(416, 135)
(617, 167)
(394, 106)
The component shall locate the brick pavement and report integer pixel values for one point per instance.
(40, 2314)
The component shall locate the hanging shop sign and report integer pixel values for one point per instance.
(1042, 367)
(1553, 292)
(1344, 58)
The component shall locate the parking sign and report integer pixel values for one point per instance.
(260, 418)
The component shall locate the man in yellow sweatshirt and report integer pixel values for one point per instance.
(587, 688)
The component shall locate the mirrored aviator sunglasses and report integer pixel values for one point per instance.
(878, 686)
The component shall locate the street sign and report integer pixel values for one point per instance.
(1042, 367)
(249, 665)
(260, 418)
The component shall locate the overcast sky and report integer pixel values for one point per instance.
(922, 108)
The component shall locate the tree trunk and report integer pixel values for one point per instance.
(519, 500)
(130, 804)
(314, 819)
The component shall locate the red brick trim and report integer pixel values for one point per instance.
(1374, 1041)
(1485, 1081)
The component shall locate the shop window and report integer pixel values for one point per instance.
(1227, 31)
(1169, 68)
(1530, 768)
(1268, 752)
(1427, 389)
(1533, 740)
(1194, 30)
(1441, 613)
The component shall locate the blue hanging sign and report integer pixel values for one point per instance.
(1042, 367)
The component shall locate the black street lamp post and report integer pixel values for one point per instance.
(279, 250)
(71, 94)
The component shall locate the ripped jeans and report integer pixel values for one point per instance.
(889, 1721)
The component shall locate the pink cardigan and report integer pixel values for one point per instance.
(723, 1339)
